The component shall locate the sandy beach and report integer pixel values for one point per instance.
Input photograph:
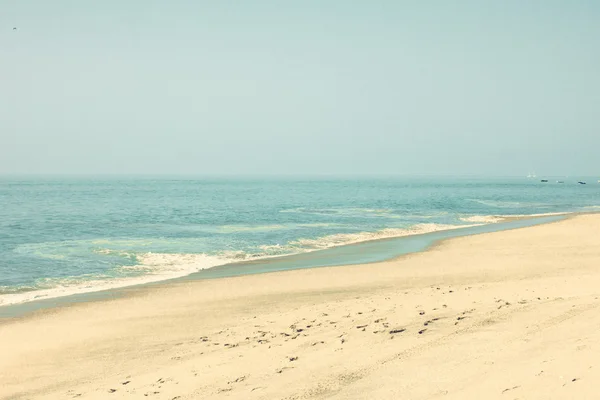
(505, 315)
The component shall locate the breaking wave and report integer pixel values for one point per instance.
(483, 219)
(342, 239)
(150, 267)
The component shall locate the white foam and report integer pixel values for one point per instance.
(321, 225)
(493, 219)
(550, 214)
(342, 239)
(484, 219)
(156, 266)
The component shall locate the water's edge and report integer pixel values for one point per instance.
(358, 253)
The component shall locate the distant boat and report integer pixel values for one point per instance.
(544, 180)
(581, 183)
(531, 175)
(560, 182)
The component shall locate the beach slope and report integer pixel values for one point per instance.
(504, 315)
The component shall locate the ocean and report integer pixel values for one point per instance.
(67, 235)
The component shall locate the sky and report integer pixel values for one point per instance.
(304, 87)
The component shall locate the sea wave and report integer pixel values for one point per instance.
(358, 212)
(351, 211)
(321, 225)
(141, 266)
(274, 227)
(305, 245)
(154, 267)
(342, 239)
(483, 219)
(420, 217)
(509, 204)
(150, 267)
(548, 214)
(493, 219)
(251, 228)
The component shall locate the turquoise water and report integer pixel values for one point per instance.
(60, 236)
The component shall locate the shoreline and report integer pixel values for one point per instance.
(149, 279)
(509, 311)
(20, 308)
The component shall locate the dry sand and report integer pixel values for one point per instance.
(506, 315)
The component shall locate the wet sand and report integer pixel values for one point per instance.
(512, 314)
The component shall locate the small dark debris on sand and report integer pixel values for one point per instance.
(399, 330)
(280, 370)
(512, 388)
(237, 380)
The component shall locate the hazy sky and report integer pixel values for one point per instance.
(303, 87)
